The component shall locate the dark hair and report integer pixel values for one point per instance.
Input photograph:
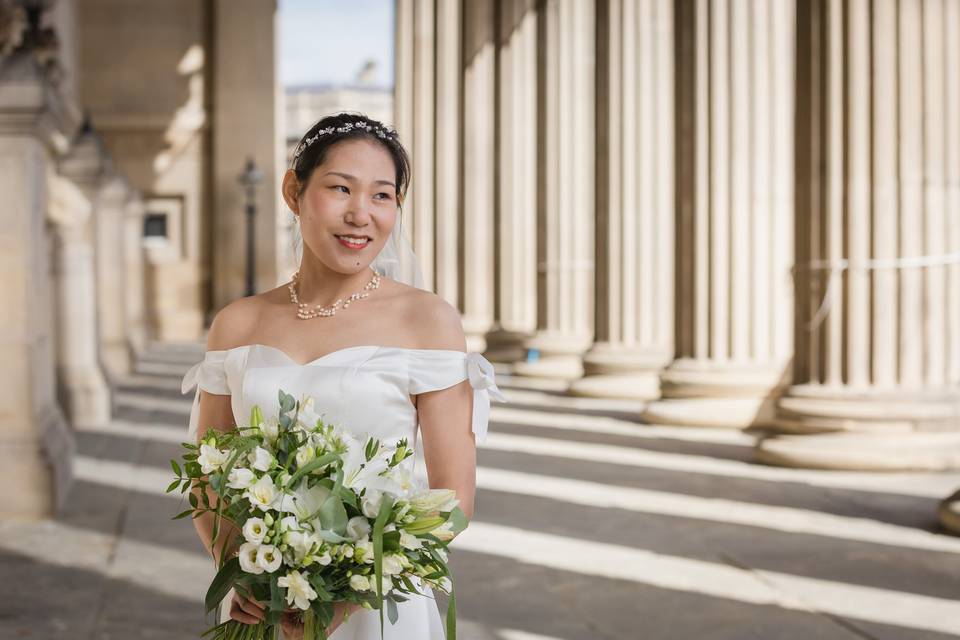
(348, 126)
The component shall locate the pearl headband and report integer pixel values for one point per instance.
(381, 132)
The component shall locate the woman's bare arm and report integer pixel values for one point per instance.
(445, 415)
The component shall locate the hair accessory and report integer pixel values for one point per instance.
(381, 132)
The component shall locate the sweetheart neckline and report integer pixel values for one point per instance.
(331, 353)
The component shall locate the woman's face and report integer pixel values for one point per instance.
(349, 206)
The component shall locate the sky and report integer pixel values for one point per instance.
(327, 41)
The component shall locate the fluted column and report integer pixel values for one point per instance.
(479, 92)
(877, 370)
(635, 217)
(734, 213)
(37, 442)
(516, 226)
(448, 118)
(135, 271)
(112, 276)
(566, 207)
(84, 392)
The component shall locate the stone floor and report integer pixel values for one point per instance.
(588, 525)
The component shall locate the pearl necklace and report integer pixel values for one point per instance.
(319, 310)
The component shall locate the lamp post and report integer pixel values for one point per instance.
(250, 178)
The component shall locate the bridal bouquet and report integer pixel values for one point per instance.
(324, 518)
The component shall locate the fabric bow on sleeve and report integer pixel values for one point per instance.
(482, 378)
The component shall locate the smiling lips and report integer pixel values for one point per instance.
(353, 242)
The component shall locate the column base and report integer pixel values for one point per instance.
(706, 394)
(839, 428)
(475, 330)
(618, 372)
(949, 513)
(85, 396)
(39, 468)
(559, 356)
(863, 451)
(506, 346)
(116, 359)
(821, 409)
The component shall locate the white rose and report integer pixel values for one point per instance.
(248, 558)
(254, 530)
(371, 503)
(262, 493)
(268, 558)
(240, 478)
(261, 459)
(359, 583)
(409, 541)
(358, 527)
(392, 564)
(211, 459)
(305, 455)
(299, 591)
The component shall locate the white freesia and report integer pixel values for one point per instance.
(307, 417)
(263, 494)
(268, 557)
(270, 429)
(240, 478)
(370, 504)
(409, 541)
(363, 551)
(358, 527)
(212, 459)
(359, 583)
(254, 530)
(299, 591)
(261, 459)
(248, 558)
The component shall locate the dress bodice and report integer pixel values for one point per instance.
(366, 389)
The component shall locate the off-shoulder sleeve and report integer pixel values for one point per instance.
(209, 374)
(431, 370)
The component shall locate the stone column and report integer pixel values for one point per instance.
(37, 442)
(565, 209)
(83, 392)
(244, 116)
(635, 214)
(113, 276)
(135, 273)
(479, 195)
(877, 370)
(515, 266)
(87, 165)
(734, 214)
(448, 195)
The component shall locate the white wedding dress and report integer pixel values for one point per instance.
(367, 390)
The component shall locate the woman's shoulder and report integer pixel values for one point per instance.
(429, 320)
(234, 323)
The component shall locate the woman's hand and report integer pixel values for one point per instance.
(293, 627)
(246, 610)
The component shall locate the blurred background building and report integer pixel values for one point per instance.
(745, 215)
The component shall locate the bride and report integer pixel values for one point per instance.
(380, 356)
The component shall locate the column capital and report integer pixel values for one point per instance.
(32, 104)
